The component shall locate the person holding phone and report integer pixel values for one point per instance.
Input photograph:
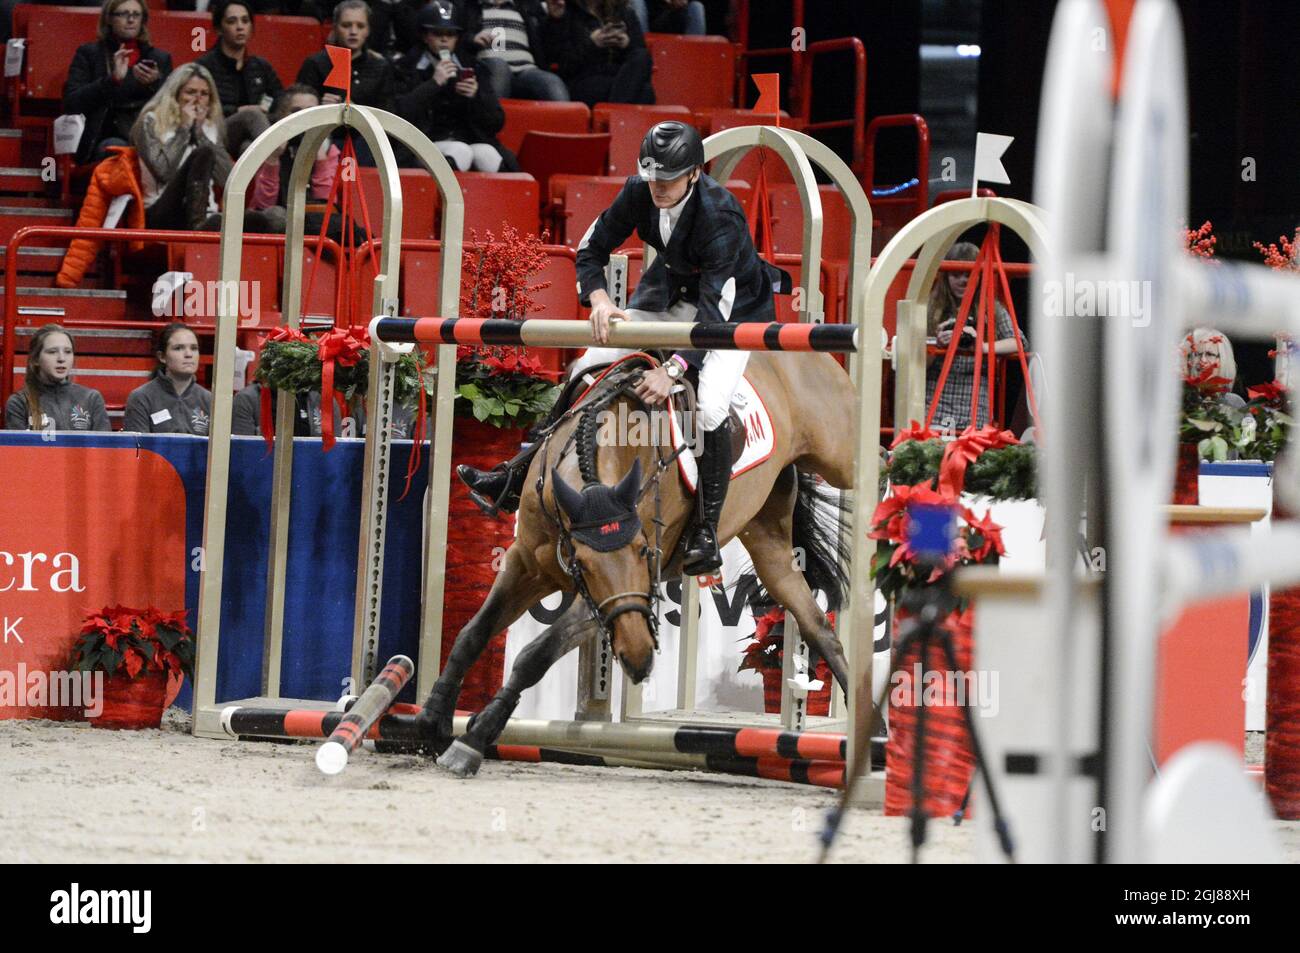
(600, 50)
(111, 79)
(246, 83)
(445, 100)
(504, 38)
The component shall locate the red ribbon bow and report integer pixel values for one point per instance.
(915, 432)
(337, 348)
(965, 450)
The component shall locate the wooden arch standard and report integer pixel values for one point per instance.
(376, 127)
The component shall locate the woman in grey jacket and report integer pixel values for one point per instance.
(173, 401)
(181, 139)
(50, 401)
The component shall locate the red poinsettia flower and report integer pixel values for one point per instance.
(1273, 392)
(890, 519)
(1208, 380)
(989, 531)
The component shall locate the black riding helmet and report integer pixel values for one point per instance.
(669, 150)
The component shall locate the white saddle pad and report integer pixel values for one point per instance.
(760, 437)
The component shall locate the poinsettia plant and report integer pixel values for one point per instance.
(119, 639)
(501, 385)
(1255, 429)
(896, 568)
(766, 648)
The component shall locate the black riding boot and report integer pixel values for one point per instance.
(702, 555)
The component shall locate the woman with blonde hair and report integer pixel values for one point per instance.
(1207, 356)
(181, 140)
(954, 410)
(111, 79)
(49, 399)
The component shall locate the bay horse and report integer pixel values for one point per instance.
(587, 523)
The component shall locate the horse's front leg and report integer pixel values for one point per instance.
(516, 589)
(573, 628)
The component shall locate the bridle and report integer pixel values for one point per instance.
(643, 603)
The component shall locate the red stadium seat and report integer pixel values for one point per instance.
(953, 195)
(837, 236)
(693, 71)
(492, 198)
(318, 299)
(420, 283)
(528, 115)
(584, 200)
(53, 35)
(259, 264)
(544, 154)
(558, 301)
(177, 32)
(419, 202)
(627, 126)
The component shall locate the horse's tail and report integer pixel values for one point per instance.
(819, 513)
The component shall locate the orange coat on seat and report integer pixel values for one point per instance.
(117, 175)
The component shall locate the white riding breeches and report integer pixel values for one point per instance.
(719, 376)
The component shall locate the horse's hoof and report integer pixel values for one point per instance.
(461, 760)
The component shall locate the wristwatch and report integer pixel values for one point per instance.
(674, 369)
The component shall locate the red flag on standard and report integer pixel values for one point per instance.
(769, 94)
(340, 76)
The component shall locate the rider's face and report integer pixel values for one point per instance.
(668, 192)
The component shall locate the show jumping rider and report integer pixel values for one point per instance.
(705, 269)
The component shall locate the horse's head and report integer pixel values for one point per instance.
(611, 552)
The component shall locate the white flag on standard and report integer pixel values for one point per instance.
(988, 159)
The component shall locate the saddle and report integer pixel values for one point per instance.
(690, 380)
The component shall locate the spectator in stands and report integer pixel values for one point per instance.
(246, 413)
(372, 74)
(446, 100)
(181, 140)
(670, 16)
(506, 38)
(373, 79)
(1207, 354)
(49, 399)
(269, 195)
(600, 51)
(394, 25)
(173, 401)
(110, 80)
(246, 84)
(954, 410)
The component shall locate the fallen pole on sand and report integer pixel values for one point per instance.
(332, 756)
(800, 757)
(627, 737)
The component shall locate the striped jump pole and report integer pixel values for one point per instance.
(398, 733)
(542, 332)
(621, 738)
(332, 756)
(828, 774)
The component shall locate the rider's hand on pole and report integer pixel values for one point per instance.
(602, 313)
